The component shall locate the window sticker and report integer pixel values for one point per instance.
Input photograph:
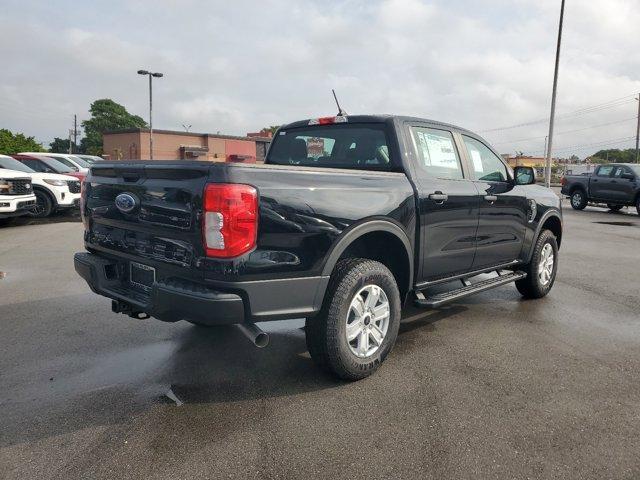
(477, 161)
(442, 151)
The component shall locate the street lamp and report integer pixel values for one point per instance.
(151, 75)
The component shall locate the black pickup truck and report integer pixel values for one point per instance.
(349, 218)
(614, 184)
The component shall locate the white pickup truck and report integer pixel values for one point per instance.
(16, 194)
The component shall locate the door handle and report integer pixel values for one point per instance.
(491, 198)
(439, 197)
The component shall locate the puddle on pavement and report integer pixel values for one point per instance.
(618, 224)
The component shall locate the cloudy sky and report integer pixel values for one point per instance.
(237, 66)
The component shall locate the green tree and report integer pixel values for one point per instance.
(11, 143)
(106, 115)
(60, 145)
(614, 155)
(272, 129)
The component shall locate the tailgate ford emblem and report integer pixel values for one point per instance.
(126, 202)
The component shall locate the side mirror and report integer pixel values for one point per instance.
(628, 176)
(524, 175)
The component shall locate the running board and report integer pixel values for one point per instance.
(468, 289)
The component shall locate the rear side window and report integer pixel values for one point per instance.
(65, 162)
(37, 165)
(350, 146)
(437, 154)
(605, 171)
(485, 165)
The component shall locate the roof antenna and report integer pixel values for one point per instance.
(341, 113)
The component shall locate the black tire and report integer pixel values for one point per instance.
(326, 332)
(614, 208)
(532, 286)
(638, 205)
(44, 205)
(578, 199)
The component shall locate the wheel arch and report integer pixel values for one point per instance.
(551, 220)
(47, 192)
(381, 240)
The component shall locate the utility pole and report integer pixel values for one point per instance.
(151, 75)
(70, 135)
(553, 101)
(75, 132)
(638, 133)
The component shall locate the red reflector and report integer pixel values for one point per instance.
(230, 224)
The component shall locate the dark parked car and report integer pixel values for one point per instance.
(348, 219)
(615, 184)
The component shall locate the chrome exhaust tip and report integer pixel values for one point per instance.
(255, 334)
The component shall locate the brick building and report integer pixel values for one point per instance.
(133, 144)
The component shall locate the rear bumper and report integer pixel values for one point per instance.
(209, 303)
(169, 301)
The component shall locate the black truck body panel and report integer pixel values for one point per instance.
(308, 217)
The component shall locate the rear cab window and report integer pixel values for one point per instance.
(359, 146)
(437, 154)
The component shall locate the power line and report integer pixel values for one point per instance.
(590, 145)
(576, 113)
(568, 131)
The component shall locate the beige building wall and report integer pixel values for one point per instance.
(122, 146)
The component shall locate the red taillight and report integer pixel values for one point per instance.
(563, 181)
(83, 202)
(230, 224)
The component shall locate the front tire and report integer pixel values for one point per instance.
(578, 200)
(44, 205)
(358, 324)
(541, 271)
(638, 205)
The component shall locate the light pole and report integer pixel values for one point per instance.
(638, 133)
(553, 101)
(150, 75)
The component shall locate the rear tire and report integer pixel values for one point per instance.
(578, 199)
(44, 205)
(358, 324)
(541, 271)
(638, 205)
(614, 208)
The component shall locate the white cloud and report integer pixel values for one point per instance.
(237, 66)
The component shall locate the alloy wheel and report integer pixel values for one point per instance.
(367, 321)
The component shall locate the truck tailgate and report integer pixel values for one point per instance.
(147, 212)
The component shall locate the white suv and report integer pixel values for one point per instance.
(72, 161)
(16, 194)
(53, 191)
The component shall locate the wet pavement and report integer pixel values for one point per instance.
(489, 387)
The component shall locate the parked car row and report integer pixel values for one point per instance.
(39, 184)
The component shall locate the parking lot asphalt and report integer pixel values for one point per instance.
(490, 387)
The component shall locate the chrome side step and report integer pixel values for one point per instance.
(467, 289)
